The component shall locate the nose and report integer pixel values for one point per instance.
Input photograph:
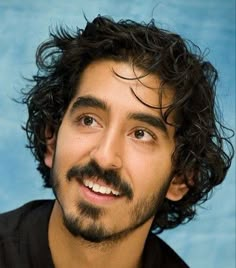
(108, 151)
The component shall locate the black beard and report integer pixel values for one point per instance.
(94, 231)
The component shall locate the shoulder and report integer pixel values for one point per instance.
(18, 239)
(11, 221)
(18, 222)
(159, 254)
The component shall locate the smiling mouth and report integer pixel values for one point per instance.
(100, 189)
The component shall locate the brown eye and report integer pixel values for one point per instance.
(139, 134)
(87, 120)
(143, 135)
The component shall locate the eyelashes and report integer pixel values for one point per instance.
(140, 134)
(88, 121)
(144, 135)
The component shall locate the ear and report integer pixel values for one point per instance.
(50, 147)
(177, 189)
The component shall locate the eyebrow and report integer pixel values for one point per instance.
(88, 101)
(93, 102)
(151, 120)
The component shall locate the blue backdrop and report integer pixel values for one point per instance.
(208, 241)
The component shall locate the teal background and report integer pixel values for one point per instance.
(209, 240)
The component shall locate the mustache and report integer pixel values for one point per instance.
(110, 177)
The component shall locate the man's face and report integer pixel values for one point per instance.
(111, 163)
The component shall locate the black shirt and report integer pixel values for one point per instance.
(24, 240)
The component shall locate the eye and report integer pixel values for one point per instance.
(88, 121)
(144, 135)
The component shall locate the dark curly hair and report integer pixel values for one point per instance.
(202, 147)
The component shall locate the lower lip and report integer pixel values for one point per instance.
(96, 198)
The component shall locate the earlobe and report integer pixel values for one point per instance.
(50, 148)
(177, 189)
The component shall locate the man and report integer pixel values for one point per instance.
(122, 124)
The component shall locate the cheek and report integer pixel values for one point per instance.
(73, 149)
(149, 173)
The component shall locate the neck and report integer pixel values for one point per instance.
(69, 251)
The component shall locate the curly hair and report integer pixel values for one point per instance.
(202, 147)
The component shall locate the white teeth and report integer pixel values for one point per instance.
(100, 189)
(96, 188)
(115, 192)
(108, 191)
(86, 183)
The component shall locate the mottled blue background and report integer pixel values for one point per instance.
(208, 241)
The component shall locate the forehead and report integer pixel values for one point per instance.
(112, 87)
(106, 77)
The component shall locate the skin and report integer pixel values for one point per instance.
(117, 139)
